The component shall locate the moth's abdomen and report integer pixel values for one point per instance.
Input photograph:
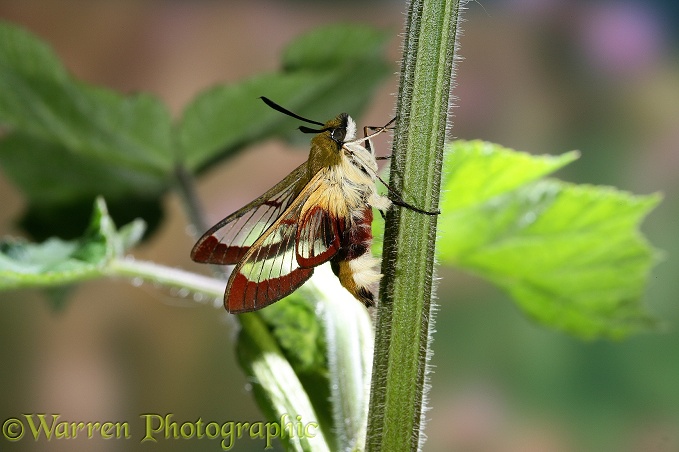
(354, 264)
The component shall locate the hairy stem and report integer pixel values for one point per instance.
(404, 315)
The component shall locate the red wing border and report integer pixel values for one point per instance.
(272, 267)
(228, 241)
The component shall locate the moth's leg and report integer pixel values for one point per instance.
(380, 129)
(400, 202)
(382, 202)
(368, 143)
(396, 199)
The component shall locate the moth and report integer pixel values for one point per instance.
(321, 212)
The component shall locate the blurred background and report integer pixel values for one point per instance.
(544, 76)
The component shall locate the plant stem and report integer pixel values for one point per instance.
(187, 190)
(172, 278)
(404, 318)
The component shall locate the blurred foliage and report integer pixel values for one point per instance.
(125, 148)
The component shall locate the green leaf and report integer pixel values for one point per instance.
(23, 157)
(276, 387)
(570, 255)
(56, 262)
(69, 142)
(327, 338)
(350, 341)
(221, 120)
(39, 98)
(353, 57)
(313, 83)
(298, 332)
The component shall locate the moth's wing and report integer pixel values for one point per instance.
(229, 240)
(318, 236)
(271, 269)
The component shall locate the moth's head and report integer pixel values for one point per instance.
(330, 137)
(327, 144)
(340, 129)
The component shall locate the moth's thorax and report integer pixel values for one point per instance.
(348, 187)
(348, 168)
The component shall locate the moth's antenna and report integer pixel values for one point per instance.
(285, 111)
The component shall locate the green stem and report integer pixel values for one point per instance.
(404, 317)
(187, 190)
(169, 277)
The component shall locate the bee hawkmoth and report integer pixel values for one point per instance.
(321, 212)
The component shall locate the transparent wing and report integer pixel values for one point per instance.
(318, 237)
(284, 257)
(229, 240)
